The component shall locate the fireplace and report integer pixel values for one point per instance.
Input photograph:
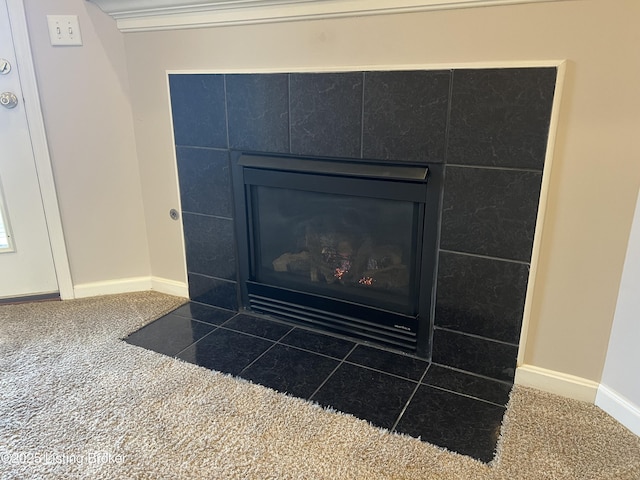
(342, 245)
(480, 135)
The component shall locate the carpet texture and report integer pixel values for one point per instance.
(76, 402)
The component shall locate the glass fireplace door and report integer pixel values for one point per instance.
(355, 248)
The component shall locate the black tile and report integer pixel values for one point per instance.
(258, 112)
(198, 109)
(169, 334)
(461, 424)
(490, 211)
(477, 355)
(405, 115)
(225, 351)
(389, 362)
(210, 245)
(485, 389)
(326, 114)
(366, 394)
(290, 370)
(482, 296)
(204, 313)
(500, 117)
(257, 326)
(318, 342)
(213, 291)
(204, 181)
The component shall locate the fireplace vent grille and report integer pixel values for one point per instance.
(355, 327)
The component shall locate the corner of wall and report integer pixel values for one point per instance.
(571, 386)
(619, 407)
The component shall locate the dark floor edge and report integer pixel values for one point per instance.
(44, 297)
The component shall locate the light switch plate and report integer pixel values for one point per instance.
(64, 30)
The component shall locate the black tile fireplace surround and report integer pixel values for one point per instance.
(485, 129)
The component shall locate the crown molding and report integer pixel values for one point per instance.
(148, 15)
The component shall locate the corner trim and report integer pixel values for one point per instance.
(619, 407)
(562, 384)
(149, 15)
(542, 208)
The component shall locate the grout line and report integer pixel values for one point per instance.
(204, 304)
(212, 307)
(332, 372)
(226, 109)
(486, 257)
(385, 348)
(215, 278)
(472, 374)
(406, 405)
(473, 335)
(215, 329)
(258, 357)
(448, 118)
(492, 167)
(382, 371)
(206, 215)
(199, 321)
(466, 395)
(192, 344)
(229, 319)
(201, 147)
(277, 342)
(310, 351)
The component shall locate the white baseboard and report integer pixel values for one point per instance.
(110, 287)
(557, 382)
(132, 284)
(619, 407)
(170, 287)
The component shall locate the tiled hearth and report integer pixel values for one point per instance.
(408, 395)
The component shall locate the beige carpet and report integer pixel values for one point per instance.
(76, 402)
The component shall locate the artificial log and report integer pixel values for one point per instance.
(293, 263)
(332, 258)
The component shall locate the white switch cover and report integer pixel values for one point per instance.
(64, 30)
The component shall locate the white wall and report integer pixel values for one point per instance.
(619, 392)
(87, 113)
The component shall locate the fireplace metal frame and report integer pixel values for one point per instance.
(365, 178)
